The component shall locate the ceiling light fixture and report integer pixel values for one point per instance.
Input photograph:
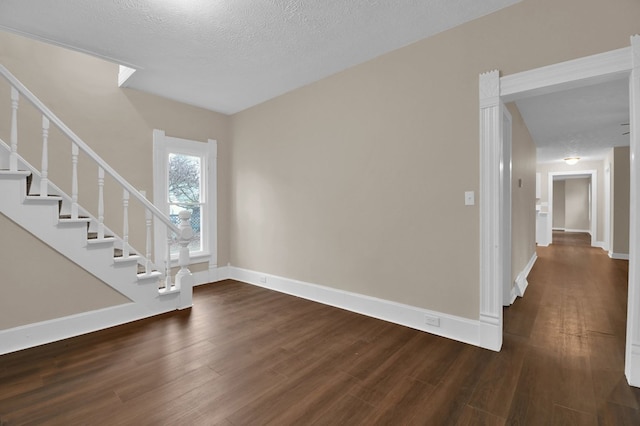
(571, 160)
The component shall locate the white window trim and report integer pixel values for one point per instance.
(162, 146)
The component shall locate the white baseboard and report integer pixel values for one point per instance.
(40, 333)
(557, 229)
(601, 244)
(632, 366)
(521, 280)
(619, 256)
(584, 231)
(450, 326)
(212, 275)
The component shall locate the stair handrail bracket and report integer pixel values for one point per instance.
(184, 233)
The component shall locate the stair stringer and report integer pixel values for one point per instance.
(39, 216)
(69, 239)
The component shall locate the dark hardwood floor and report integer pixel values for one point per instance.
(248, 356)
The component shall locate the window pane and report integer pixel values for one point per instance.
(184, 178)
(196, 225)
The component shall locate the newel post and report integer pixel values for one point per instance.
(184, 279)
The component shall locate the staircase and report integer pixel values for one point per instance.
(39, 206)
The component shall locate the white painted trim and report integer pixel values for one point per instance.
(618, 256)
(212, 275)
(632, 359)
(602, 245)
(124, 74)
(208, 151)
(558, 229)
(566, 75)
(505, 202)
(521, 283)
(594, 201)
(451, 326)
(491, 232)
(40, 333)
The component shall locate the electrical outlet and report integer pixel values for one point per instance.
(431, 320)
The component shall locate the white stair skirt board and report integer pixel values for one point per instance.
(450, 326)
(40, 333)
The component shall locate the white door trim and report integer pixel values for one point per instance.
(593, 205)
(492, 90)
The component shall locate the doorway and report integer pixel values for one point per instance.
(494, 91)
(592, 211)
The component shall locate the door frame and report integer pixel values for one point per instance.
(494, 91)
(593, 202)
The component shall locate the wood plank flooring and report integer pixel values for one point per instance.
(249, 356)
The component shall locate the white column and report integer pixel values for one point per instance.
(100, 203)
(44, 181)
(13, 156)
(490, 234)
(74, 181)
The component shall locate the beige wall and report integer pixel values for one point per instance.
(45, 285)
(620, 207)
(357, 181)
(598, 166)
(523, 193)
(577, 204)
(116, 123)
(558, 204)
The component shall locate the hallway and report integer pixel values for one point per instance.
(573, 320)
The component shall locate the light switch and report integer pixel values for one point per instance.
(469, 198)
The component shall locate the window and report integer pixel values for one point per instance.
(184, 178)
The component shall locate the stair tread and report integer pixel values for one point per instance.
(118, 253)
(94, 236)
(15, 172)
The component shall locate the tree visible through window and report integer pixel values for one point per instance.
(185, 193)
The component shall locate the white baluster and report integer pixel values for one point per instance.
(125, 224)
(44, 181)
(100, 203)
(167, 266)
(74, 181)
(13, 157)
(147, 265)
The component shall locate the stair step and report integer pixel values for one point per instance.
(94, 236)
(39, 199)
(117, 253)
(68, 216)
(104, 240)
(152, 275)
(16, 174)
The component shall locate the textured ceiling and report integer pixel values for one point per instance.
(583, 122)
(228, 55)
